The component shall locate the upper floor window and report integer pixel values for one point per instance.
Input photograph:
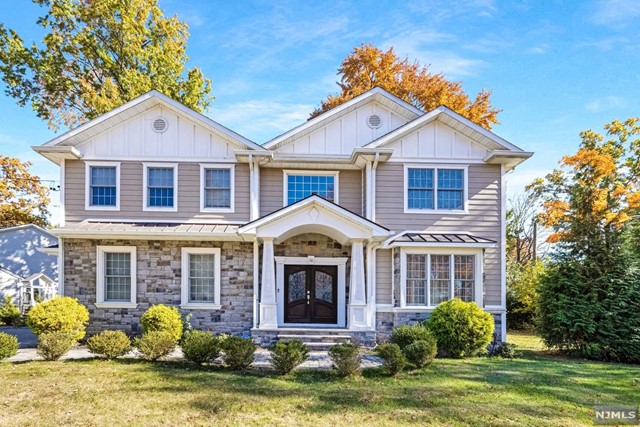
(161, 182)
(217, 193)
(116, 276)
(435, 188)
(102, 182)
(301, 184)
(434, 278)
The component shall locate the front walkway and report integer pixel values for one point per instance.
(316, 360)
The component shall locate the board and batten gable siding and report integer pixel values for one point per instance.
(271, 190)
(342, 135)
(131, 194)
(482, 219)
(134, 139)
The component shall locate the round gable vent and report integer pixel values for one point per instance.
(374, 121)
(160, 125)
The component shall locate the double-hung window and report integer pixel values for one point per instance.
(301, 184)
(435, 188)
(217, 193)
(102, 186)
(116, 276)
(160, 187)
(431, 279)
(201, 278)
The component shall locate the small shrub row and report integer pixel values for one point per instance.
(9, 312)
(109, 344)
(345, 359)
(286, 355)
(8, 345)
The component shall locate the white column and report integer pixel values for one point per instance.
(268, 310)
(358, 309)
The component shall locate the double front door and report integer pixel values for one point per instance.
(310, 294)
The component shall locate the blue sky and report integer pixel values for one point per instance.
(555, 67)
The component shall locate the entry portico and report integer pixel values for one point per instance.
(309, 290)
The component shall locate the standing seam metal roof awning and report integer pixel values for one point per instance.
(439, 239)
(137, 230)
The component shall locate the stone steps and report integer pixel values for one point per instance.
(318, 340)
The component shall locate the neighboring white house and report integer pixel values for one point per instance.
(28, 264)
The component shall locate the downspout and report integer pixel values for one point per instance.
(373, 187)
(368, 192)
(371, 282)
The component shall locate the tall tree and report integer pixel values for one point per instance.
(97, 55)
(23, 199)
(368, 66)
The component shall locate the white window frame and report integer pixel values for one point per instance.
(100, 252)
(87, 186)
(184, 279)
(145, 174)
(435, 167)
(232, 180)
(478, 273)
(287, 173)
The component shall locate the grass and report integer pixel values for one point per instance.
(536, 389)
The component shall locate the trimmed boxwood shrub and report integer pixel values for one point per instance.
(238, 352)
(155, 344)
(286, 355)
(9, 312)
(346, 359)
(60, 314)
(406, 335)
(110, 344)
(8, 345)
(162, 318)
(54, 345)
(461, 328)
(200, 347)
(393, 358)
(507, 351)
(421, 353)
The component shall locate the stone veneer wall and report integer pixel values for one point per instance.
(158, 282)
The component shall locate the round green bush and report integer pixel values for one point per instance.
(60, 314)
(110, 344)
(421, 353)
(507, 351)
(346, 359)
(8, 345)
(406, 335)
(54, 345)
(200, 347)
(286, 355)
(9, 312)
(155, 344)
(393, 358)
(461, 329)
(162, 318)
(238, 352)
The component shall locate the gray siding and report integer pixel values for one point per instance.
(271, 190)
(131, 182)
(383, 276)
(482, 219)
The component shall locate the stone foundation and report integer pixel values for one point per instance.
(158, 279)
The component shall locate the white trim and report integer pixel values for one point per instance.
(87, 186)
(256, 283)
(63, 212)
(145, 171)
(478, 273)
(435, 168)
(184, 279)
(503, 249)
(232, 183)
(309, 172)
(100, 252)
(60, 267)
(341, 263)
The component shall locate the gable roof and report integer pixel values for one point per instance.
(27, 226)
(136, 106)
(380, 95)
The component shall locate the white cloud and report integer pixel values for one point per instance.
(540, 49)
(616, 13)
(606, 103)
(261, 120)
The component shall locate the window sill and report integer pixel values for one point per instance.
(154, 209)
(436, 211)
(216, 210)
(101, 208)
(116, 305)
(201, 306)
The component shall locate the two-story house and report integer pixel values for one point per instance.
(361, 219)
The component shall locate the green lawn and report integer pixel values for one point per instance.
(537, 389)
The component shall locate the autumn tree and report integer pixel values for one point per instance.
(95, 56)
(589, 298)
(368, 67)
(23, 199)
